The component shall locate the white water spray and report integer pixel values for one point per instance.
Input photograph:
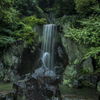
(49, 35)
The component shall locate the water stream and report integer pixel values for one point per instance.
(48, 43)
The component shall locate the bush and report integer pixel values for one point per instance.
(88, 34)
(84, 6)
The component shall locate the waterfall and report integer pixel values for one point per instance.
(48, 43)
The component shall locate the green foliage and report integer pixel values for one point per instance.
(84, 71)
(5, 10)
(32, 21)
(93, 52)
(6, 3)
(63, 7)
(12, 28)
(39, 9)
(96, 9)
(8, 17)
(28, 7)
(27, 34)
(5, 41)
(66, 19)
(43, 4)
(97, 71)
(88, 34)
(84, 6)
(86, 83)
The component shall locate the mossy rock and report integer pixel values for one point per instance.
(87, 66)
(76, 61)
(70, 73)
(21, 98)
(87, 83)
(74, 51)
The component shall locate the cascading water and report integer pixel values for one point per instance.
(49, 34)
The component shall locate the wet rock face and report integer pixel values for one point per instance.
(42, 85)
(28, 59)
(61, 59)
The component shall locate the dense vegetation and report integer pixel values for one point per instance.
(16, 24)
(85, 29)
(18, 17)
(83, 17)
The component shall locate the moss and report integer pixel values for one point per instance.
(65, 81)
(64, 42)
(76, 61)
(84, 6)
(33, 21)
(21, 98)
(9, 60)
(70, 85)
(69, 74)
(83, 71)
(86, 83)
(27, 34)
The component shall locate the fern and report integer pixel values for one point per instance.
(32, 21)
(67, 19)
(96, 8)
(88, 34)
(4, 41)
(27, 34)
(93, 52)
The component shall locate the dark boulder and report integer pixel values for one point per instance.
(2, 97)
(42, 85)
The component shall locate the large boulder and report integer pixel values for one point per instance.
(76, 73)
(74, 51)
(43, 84)
(18, 60)
(89, 80)
(69, 74)
(70, 77)
(12, 59)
